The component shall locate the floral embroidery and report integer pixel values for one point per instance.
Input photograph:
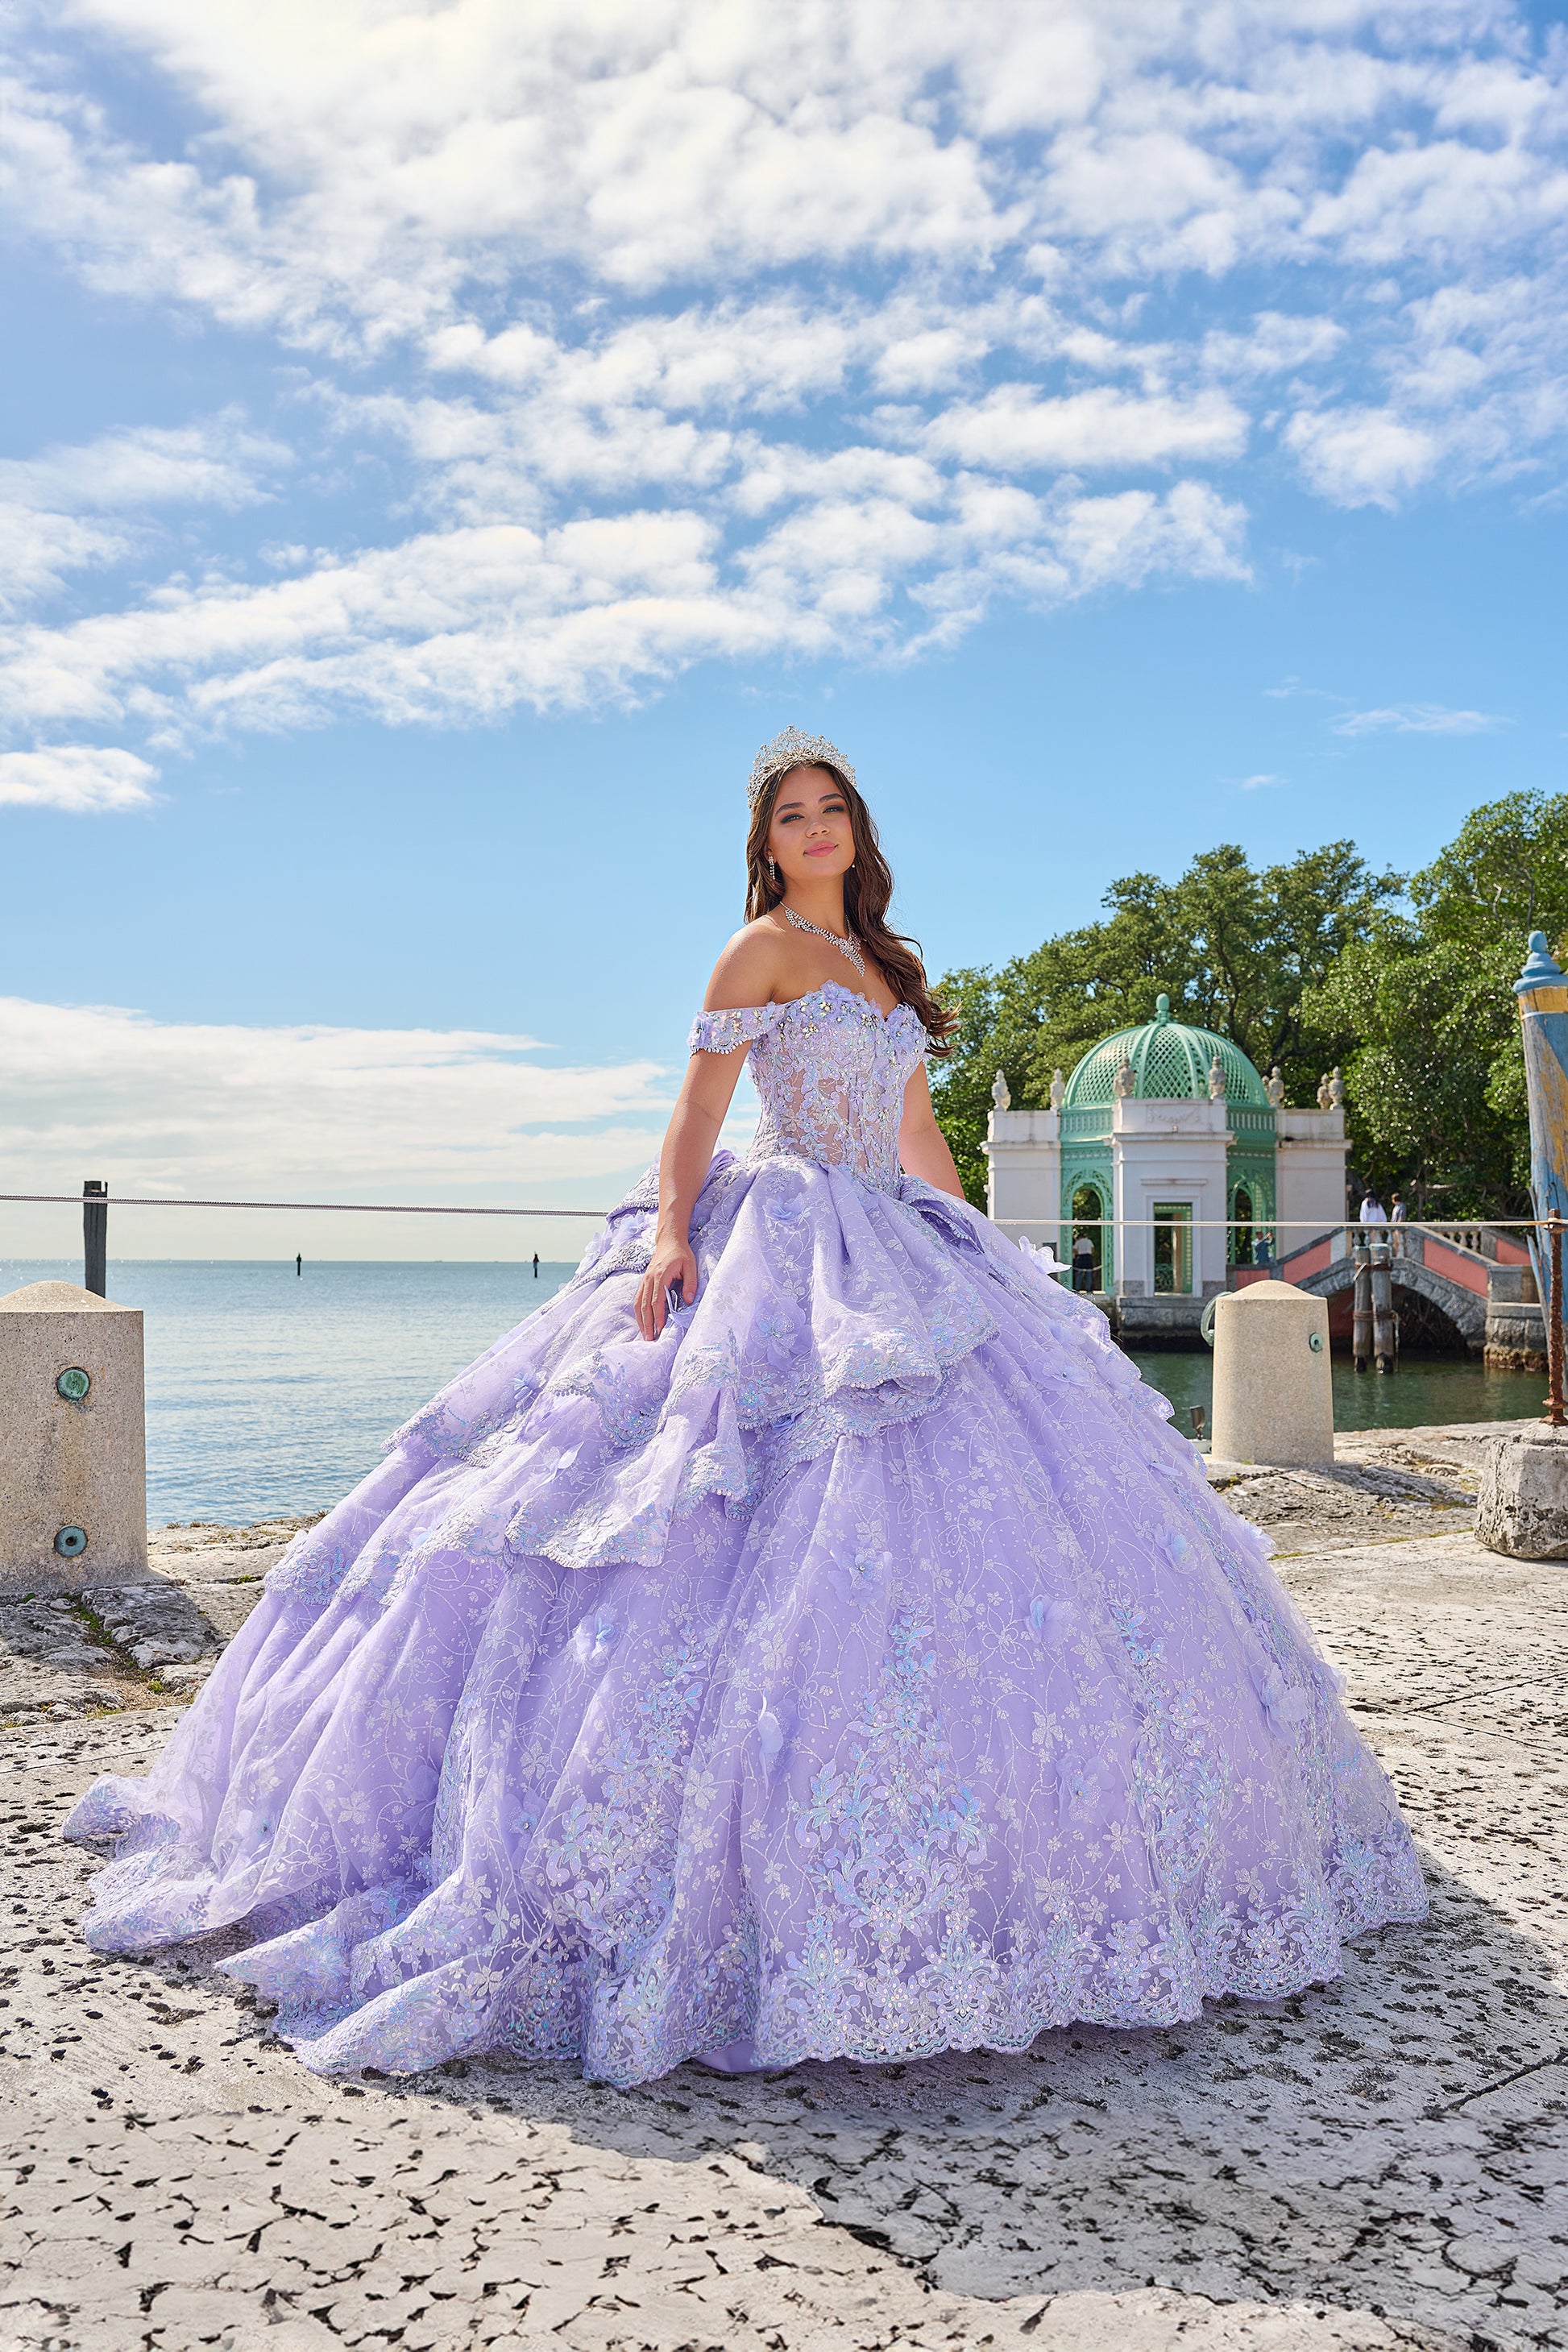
(831, 1070)
(864, 1667)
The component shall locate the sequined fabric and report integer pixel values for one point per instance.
(863, 1667)
(830, 1071)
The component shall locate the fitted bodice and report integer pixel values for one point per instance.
(831, 1072)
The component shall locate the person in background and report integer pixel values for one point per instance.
(536, 1265)
(1396, 1216)
(1083, 1262)
(1373, 1211)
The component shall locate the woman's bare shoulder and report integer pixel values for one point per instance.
(748, 970)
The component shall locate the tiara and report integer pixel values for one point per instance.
(794, 750)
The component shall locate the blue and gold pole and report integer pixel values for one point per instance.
(1543, 992)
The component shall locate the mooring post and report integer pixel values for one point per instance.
(1361, 1331)
(1273, 1388)
(1541, 989)
(1381, 1280)
(73, 1471)
(1522, 1507)
(1555, 1416)
(95, 1236)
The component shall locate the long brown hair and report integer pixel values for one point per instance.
(867, 889)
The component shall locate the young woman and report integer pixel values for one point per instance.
(803, 1636)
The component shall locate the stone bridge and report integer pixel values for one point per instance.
(1474, 1283)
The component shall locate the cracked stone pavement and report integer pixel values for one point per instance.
(1380, 2162)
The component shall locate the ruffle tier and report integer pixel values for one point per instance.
(862, 1668)
(823, 1310)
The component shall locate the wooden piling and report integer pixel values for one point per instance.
(95, 1236)
(1380, 1282)
(1361, 1336)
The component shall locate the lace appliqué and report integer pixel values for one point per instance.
(830, 1070)
(863, 1667)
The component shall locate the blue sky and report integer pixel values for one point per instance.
(441, 444)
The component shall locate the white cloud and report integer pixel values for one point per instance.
(78, 778)
(366, 165)
(1122, 540)
(207, 1112)
(38, 552)
(453, 627)
(774, 354)
(55, 507)
(701, 329)
(1261, 782)
(1275, 343)
(1156, 199)
(216, 461)
(1364, 457)
(1016, 431)
(1442, 197)
(1417, 718)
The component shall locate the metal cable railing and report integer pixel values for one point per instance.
(1382, 1239)
(1292, 1225)
(360, 1208)
(95, 1215)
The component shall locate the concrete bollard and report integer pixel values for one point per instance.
(1522, 1507)
(1273, 1396)
(73, 1457)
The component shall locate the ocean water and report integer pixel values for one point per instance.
(270, 1393)
(1427, 1390)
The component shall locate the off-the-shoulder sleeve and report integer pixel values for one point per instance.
(740, 1024)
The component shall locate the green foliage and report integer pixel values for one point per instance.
(1234, 949)
(1436, 1080)
(961, 1085)
(1435, 1025)
(1307, 964)
(1504, 874)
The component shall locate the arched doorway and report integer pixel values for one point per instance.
(1241, 1236)
(1088, 1225)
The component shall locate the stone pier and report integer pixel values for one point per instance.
(1381, 2162)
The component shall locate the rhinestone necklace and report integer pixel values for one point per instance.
(849, 946)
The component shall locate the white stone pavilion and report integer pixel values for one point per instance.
(1168, 1149)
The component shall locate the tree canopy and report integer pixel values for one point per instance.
(1404, 982)
(1437, 1076)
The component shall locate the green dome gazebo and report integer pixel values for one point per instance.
(1164, 1061)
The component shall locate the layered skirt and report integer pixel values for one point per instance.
(862, 1668)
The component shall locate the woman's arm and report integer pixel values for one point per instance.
(743, 975)
(922, 1147)
(689, 1141)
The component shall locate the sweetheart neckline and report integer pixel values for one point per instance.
(785, 1003)
(843, 989)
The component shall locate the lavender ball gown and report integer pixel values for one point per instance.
(861, 1668)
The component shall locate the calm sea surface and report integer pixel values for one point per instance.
(268, 1394)
(1426, 1390)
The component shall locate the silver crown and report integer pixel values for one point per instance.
(794, 750)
